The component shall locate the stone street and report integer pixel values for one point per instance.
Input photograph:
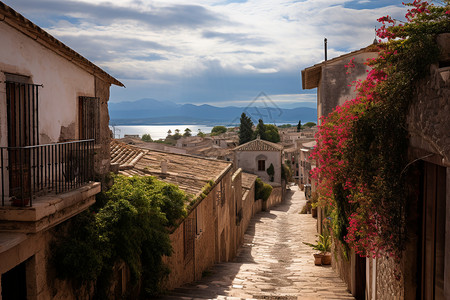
(273, 263)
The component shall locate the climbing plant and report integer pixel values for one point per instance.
(130, 223)
(362, 145)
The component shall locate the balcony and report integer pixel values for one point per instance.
(44, 185)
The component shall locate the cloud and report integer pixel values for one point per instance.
(208, 50)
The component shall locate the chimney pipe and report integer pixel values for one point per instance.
(164, 167)
(325, 42)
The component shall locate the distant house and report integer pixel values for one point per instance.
(214, 228)
(54, 140)
(256, 156)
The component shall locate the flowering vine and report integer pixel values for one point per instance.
(362, 145)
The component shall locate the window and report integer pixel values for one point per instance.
(89, 118)
(261, 165)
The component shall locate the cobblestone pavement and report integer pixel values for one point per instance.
(273, 263)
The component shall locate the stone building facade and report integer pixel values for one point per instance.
(54, 141)
(424, 272)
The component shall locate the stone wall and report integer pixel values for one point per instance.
(388, 286)
(102, 158)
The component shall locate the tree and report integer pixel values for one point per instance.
(169, 134)
(146, 138)
(267, 132)
(218, 130)
(187, 132)
(177, 134)
(309, 124)
(245, 129)
(201, 133)
(260, 130)
(299, 125)
(271, 171)
(271, 133)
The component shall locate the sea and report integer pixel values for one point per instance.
(156, 131)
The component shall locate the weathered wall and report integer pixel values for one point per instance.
(248, 161)
(63, 82)
(388, 286)
(35, 250)
(334, 86)
(428, 118)
(102, 157)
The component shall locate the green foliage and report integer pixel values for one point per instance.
(323, 243)
(187, 132)
(245, 129)
(267, 132)
(286, 172)
(285, 126)
(177, 135)
(130, 224)
(262, 190)
(218, 130)
(309, 124)
(146, 138)
(271, 171)
(201, 134)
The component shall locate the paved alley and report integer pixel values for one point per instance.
(273, 263)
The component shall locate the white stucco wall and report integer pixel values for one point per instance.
(247, 160)
(63, 82)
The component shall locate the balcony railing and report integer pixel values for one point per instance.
(32, 171)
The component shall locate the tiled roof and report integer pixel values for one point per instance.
(125, 155)
(259, 145)
(19, 22)
(190, 173)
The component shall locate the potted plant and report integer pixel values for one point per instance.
(323, 245)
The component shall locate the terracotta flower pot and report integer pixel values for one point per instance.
(326, 259)
(318, 259)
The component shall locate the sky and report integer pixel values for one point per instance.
(218, 52)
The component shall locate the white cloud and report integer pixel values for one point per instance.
(157, 41)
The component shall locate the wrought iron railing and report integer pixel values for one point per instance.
(32, 171)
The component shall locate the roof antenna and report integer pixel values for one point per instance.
(325, 43)
(375, 41)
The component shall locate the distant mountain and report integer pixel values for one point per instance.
(154, 112)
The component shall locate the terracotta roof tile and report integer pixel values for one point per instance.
(259, 145)
(190, 173)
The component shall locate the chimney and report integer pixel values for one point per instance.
(164, 166)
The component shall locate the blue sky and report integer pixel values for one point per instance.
(216, 52)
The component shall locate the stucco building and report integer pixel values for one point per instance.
(256, 156)
(54, 140)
